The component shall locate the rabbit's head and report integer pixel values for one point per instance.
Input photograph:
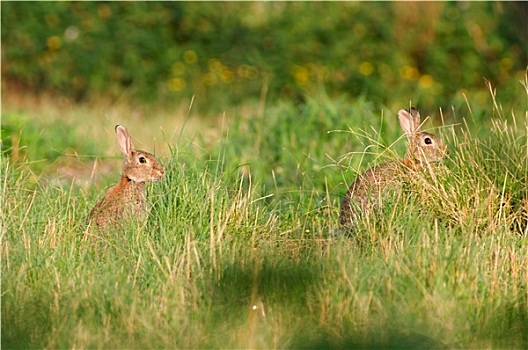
(140, 166)
(423, 147)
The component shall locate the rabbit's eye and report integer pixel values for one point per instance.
(428, 141)
(142, 160)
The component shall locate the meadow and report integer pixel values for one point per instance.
(243, 249)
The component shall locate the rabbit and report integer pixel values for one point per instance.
(127, 199)
(423, 148)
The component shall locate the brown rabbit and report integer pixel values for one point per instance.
(127, 199)
(423, 148)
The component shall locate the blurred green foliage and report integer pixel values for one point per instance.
(41, 143)
(166, 52)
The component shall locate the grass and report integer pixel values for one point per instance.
(241, 248)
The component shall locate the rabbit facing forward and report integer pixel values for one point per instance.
(127, 199)
(423, 148)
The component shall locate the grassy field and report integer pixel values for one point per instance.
(242, 248)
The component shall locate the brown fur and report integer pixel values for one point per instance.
(127, 199)
(365, 193)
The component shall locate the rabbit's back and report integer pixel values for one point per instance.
(124, 201)
(366, 191)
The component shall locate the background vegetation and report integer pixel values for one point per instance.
(242, 248)
(225, 52)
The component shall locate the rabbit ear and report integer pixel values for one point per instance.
(124, 141)
(416, 118)
(409, 121)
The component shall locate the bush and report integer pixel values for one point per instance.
(227, 52)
